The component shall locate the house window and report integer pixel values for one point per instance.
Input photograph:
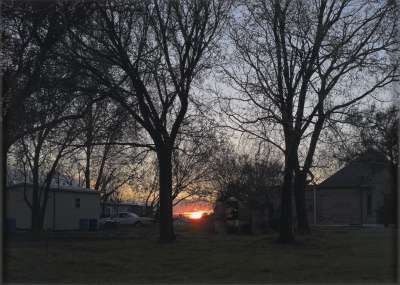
(369, 204)
(77, 203)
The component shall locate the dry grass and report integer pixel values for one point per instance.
(134, 256)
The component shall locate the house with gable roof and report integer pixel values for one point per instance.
(355, 195)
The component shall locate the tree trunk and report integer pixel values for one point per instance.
(286, 223)
(35, 218)
(3, 171)
(302, 220)
(87, 168)
(89, 141)
(43, 206)
(165, 171)
(394, 213)
(285, 227)
(36, 224)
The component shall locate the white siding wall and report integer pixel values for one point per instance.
(67, 215)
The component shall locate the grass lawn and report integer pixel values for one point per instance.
(134, 256)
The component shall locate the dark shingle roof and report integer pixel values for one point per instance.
(358, 172)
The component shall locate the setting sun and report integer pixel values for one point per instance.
(196, 215)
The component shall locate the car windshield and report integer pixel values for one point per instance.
(133, 215)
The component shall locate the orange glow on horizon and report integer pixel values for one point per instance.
(193, 210)
(196, 215)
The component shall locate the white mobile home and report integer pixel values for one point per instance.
(68, 208)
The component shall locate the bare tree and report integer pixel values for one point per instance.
(107, 159)
(197, 146)
(104, 159)
(31, 32)
(252, 179)
(246, 174)
(299, 64)
(146, 55)
(42, 151)
(192, 176)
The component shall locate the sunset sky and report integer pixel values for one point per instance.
(188, 206)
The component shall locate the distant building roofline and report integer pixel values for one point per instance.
(363, 187)
(124, 203)
(66, 189)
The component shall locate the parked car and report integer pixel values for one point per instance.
(126, 218)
